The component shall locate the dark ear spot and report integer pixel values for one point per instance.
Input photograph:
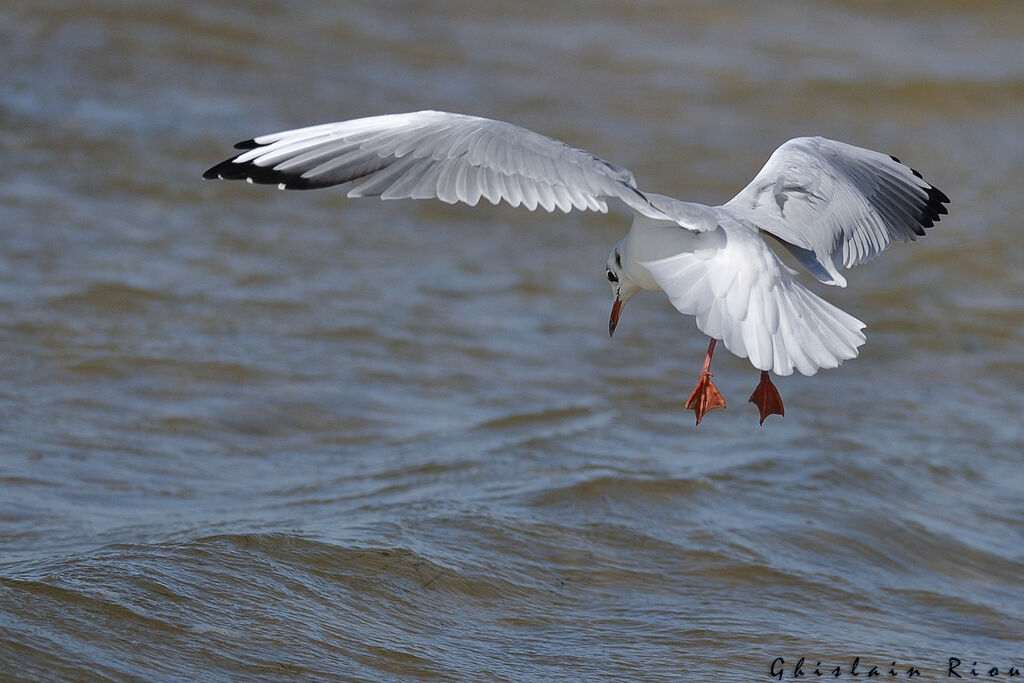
(618, 259)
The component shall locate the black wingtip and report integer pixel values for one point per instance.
(938, 196)
(229, 169)
(934, 204)
(933, 208)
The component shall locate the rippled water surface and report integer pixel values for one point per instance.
(257, 434)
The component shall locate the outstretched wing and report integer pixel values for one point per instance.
(430, 154)
(835, 205)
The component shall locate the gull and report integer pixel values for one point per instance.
(830, 204)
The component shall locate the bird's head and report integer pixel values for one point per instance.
(623, 286)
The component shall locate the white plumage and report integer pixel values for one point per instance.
(831, 204)
(742, 294)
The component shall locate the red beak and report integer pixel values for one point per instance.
(614, 319)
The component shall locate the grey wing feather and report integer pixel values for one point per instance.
(836, 205)
(695, 217)
(429, 154)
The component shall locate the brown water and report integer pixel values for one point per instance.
(253, 434)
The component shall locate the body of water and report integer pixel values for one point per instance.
(255, 434)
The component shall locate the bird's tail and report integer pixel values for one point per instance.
(812, 333)
(743, 295)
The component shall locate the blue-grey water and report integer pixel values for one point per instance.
(249, 434)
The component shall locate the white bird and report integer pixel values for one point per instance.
(830, 204)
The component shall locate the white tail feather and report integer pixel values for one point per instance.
(743, 295)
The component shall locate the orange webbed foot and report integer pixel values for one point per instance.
(705, 396)
(766, 398)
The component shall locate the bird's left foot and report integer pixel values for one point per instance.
(766, 398)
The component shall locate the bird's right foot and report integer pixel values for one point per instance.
(705, 396)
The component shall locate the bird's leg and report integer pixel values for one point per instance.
(766, 398)
(705, 395)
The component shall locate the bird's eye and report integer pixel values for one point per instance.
(612, 277)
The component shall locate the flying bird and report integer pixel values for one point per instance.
(830, 204)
